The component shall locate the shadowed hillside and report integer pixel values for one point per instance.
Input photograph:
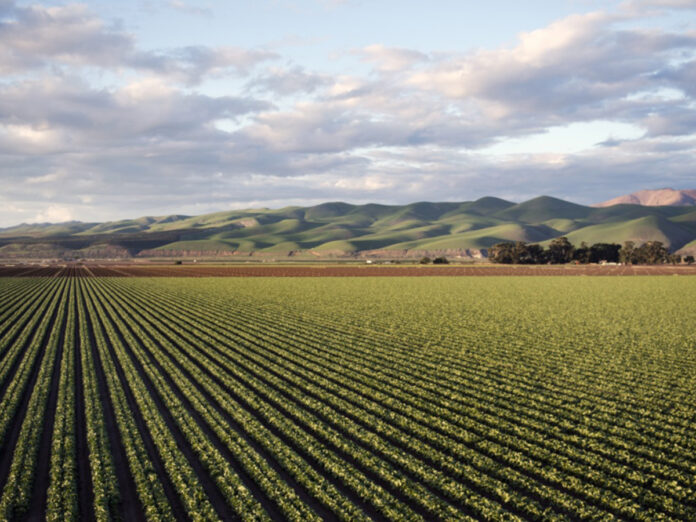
(340, 229)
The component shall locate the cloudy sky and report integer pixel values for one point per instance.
(146, 107)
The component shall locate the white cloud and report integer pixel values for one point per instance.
(586, 101)
(72, 35)
(36, 36)
(542, 60)
(364, 183)
(54, 214)
(46, 178)
(58, 115)
(30, 138)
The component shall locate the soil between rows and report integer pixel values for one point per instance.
(353, 497)
(215, 497)
(219, 356)
(575, 495)
(12, 435)
(220, 446)
(130, 507)
(153, 453)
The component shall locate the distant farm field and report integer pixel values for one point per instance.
(338, 269)
(428, 398)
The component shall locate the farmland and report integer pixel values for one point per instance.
(332, 270)
(308, 398)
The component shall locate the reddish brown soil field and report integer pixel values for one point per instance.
(333, 271)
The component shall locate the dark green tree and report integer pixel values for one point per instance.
(535, 255)
(520, 253)
(582, 253)
(652, 253)
(689, 259)
(604, 252)
(627, 255)
(560, 251)
(502, 253)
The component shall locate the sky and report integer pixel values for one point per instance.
(113, 110)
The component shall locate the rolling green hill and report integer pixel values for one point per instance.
(343, 229)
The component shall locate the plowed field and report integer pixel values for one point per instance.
(271, 270)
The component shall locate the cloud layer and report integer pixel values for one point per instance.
(93, 126)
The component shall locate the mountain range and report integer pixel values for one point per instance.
(654, 198)
(337, 229)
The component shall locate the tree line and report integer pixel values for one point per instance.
(561, 251)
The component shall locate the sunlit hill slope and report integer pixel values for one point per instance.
(340, 229)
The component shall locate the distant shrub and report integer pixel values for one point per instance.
(440, 261)
(425, 260)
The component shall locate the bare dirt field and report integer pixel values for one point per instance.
(334, 271)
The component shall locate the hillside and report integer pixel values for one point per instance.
(338, 229)
(655, 198)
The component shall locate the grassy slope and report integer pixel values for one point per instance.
(649, 228)
(340, 227)
(199, 245)
(689, 248)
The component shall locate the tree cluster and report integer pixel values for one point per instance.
(561, 251)
(437, 261)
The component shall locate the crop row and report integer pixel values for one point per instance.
(503, 450)
(273, 399)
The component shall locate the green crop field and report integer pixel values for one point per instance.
(497, 398)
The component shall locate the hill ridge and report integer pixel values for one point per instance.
(338, 229)
(654, 198)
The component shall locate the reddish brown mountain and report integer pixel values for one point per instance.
(655, 198)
